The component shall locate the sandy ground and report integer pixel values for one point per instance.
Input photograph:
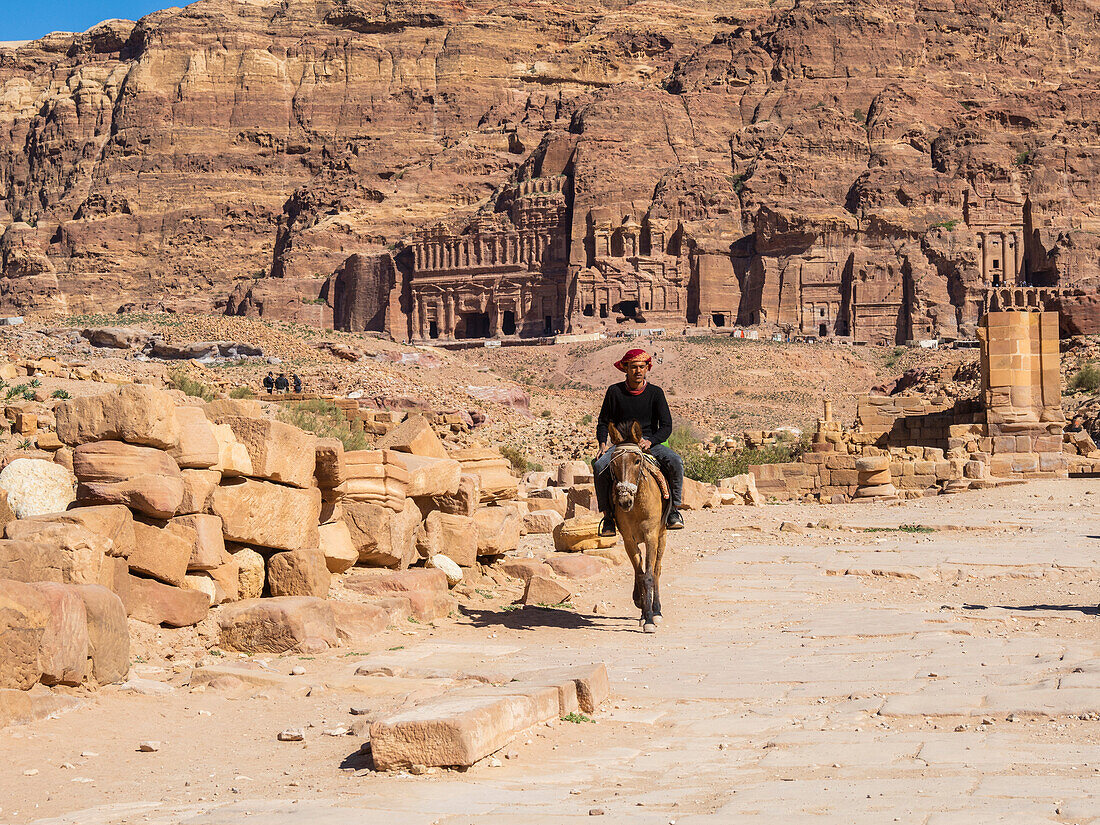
(848, 671)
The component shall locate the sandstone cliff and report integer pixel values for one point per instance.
(882, 171)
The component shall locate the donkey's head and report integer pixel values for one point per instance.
(626, 464)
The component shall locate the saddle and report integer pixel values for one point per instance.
(651, 466)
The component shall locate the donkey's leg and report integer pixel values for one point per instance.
(636, 560)
(651, 544)
(661, 536)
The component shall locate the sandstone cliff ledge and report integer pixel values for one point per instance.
(879, 171)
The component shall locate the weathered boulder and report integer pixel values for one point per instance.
(35, 487)
(197, 447)
(300, 572)
(267, 514)
(498, 531)
(421, 591)
(581, 533)
(590, 681)
(151, 601)
(697, 495)
(277, 625)
(430, 476)
(24, 614)
(227, 580)
(382, 537)
(414, 435)
(162, 551)
(544, 590)
(143, 479)
(277, 451)
(63, 651)
(524, 569)
(251, 571)
(198, 486)
(375, 476)
(455, 536)
(550, 498)
(113, 522)
(135, 414)
(108, 634)
(336, 545)
(242, 407)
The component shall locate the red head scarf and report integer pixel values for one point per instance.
(633, 355)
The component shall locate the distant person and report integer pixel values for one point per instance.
(297, 383)
(1076, 425)
(269, 382)
(281, 384)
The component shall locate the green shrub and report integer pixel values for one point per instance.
(586, 419)
(324, 420)
(710, 467)
(546, 414)
(1086, 379)
(515, 457)
(180, 380)
(683, 439)
(34, 382)
(61, 394)
(12, 392)
(1023, 158)
(242, 392)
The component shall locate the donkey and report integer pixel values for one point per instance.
(640, 515)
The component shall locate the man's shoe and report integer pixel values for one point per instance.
(674, 521)
(607, 527)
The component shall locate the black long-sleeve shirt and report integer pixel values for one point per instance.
(649, 408)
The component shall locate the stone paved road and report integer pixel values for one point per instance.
(806, 674)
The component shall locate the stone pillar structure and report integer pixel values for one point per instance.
(1022, 393)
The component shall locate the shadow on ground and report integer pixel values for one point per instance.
(1086, 609)
(528, 618)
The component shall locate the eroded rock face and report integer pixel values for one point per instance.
(870, 170)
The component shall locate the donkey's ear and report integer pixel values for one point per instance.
(616, 437)
(636, 432)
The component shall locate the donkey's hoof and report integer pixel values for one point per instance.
(650, 628)
(658, 619)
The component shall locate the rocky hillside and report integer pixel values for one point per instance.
(172, 160)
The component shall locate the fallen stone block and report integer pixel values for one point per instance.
(157, 603)
(544, 590)
(298, 573)
(575, 565)
(580, 533)
(113, 522)
(740, 489)
(542, 521)
(277, 451)
(251, 571)
(451, 570)
(591, 682)
(382, 537)
(697, 496)
(454, 730)
(453, 535)
(198, 486)
(208, 549)
(552, 498)
(63, 650)
(162, 551)
(24, 615)
(494, 472)
(141, 478)
(463, 502)
(277, 625)
(498, 531)
(135, 414)
(233, 458)
(415, 436)
(22, 707)
(197, 447)
(430, 476)
(331, 468)
(524, 569)
(267, 514)
(108, 634)
(336, 545)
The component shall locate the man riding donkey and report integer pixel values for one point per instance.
(637, 400)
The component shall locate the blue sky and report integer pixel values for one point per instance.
(23, 20)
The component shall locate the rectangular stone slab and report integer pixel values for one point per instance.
(455, 730)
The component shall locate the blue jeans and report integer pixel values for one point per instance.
(669, 462)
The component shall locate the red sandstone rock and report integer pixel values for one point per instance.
(276, 625)
(151, 601)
